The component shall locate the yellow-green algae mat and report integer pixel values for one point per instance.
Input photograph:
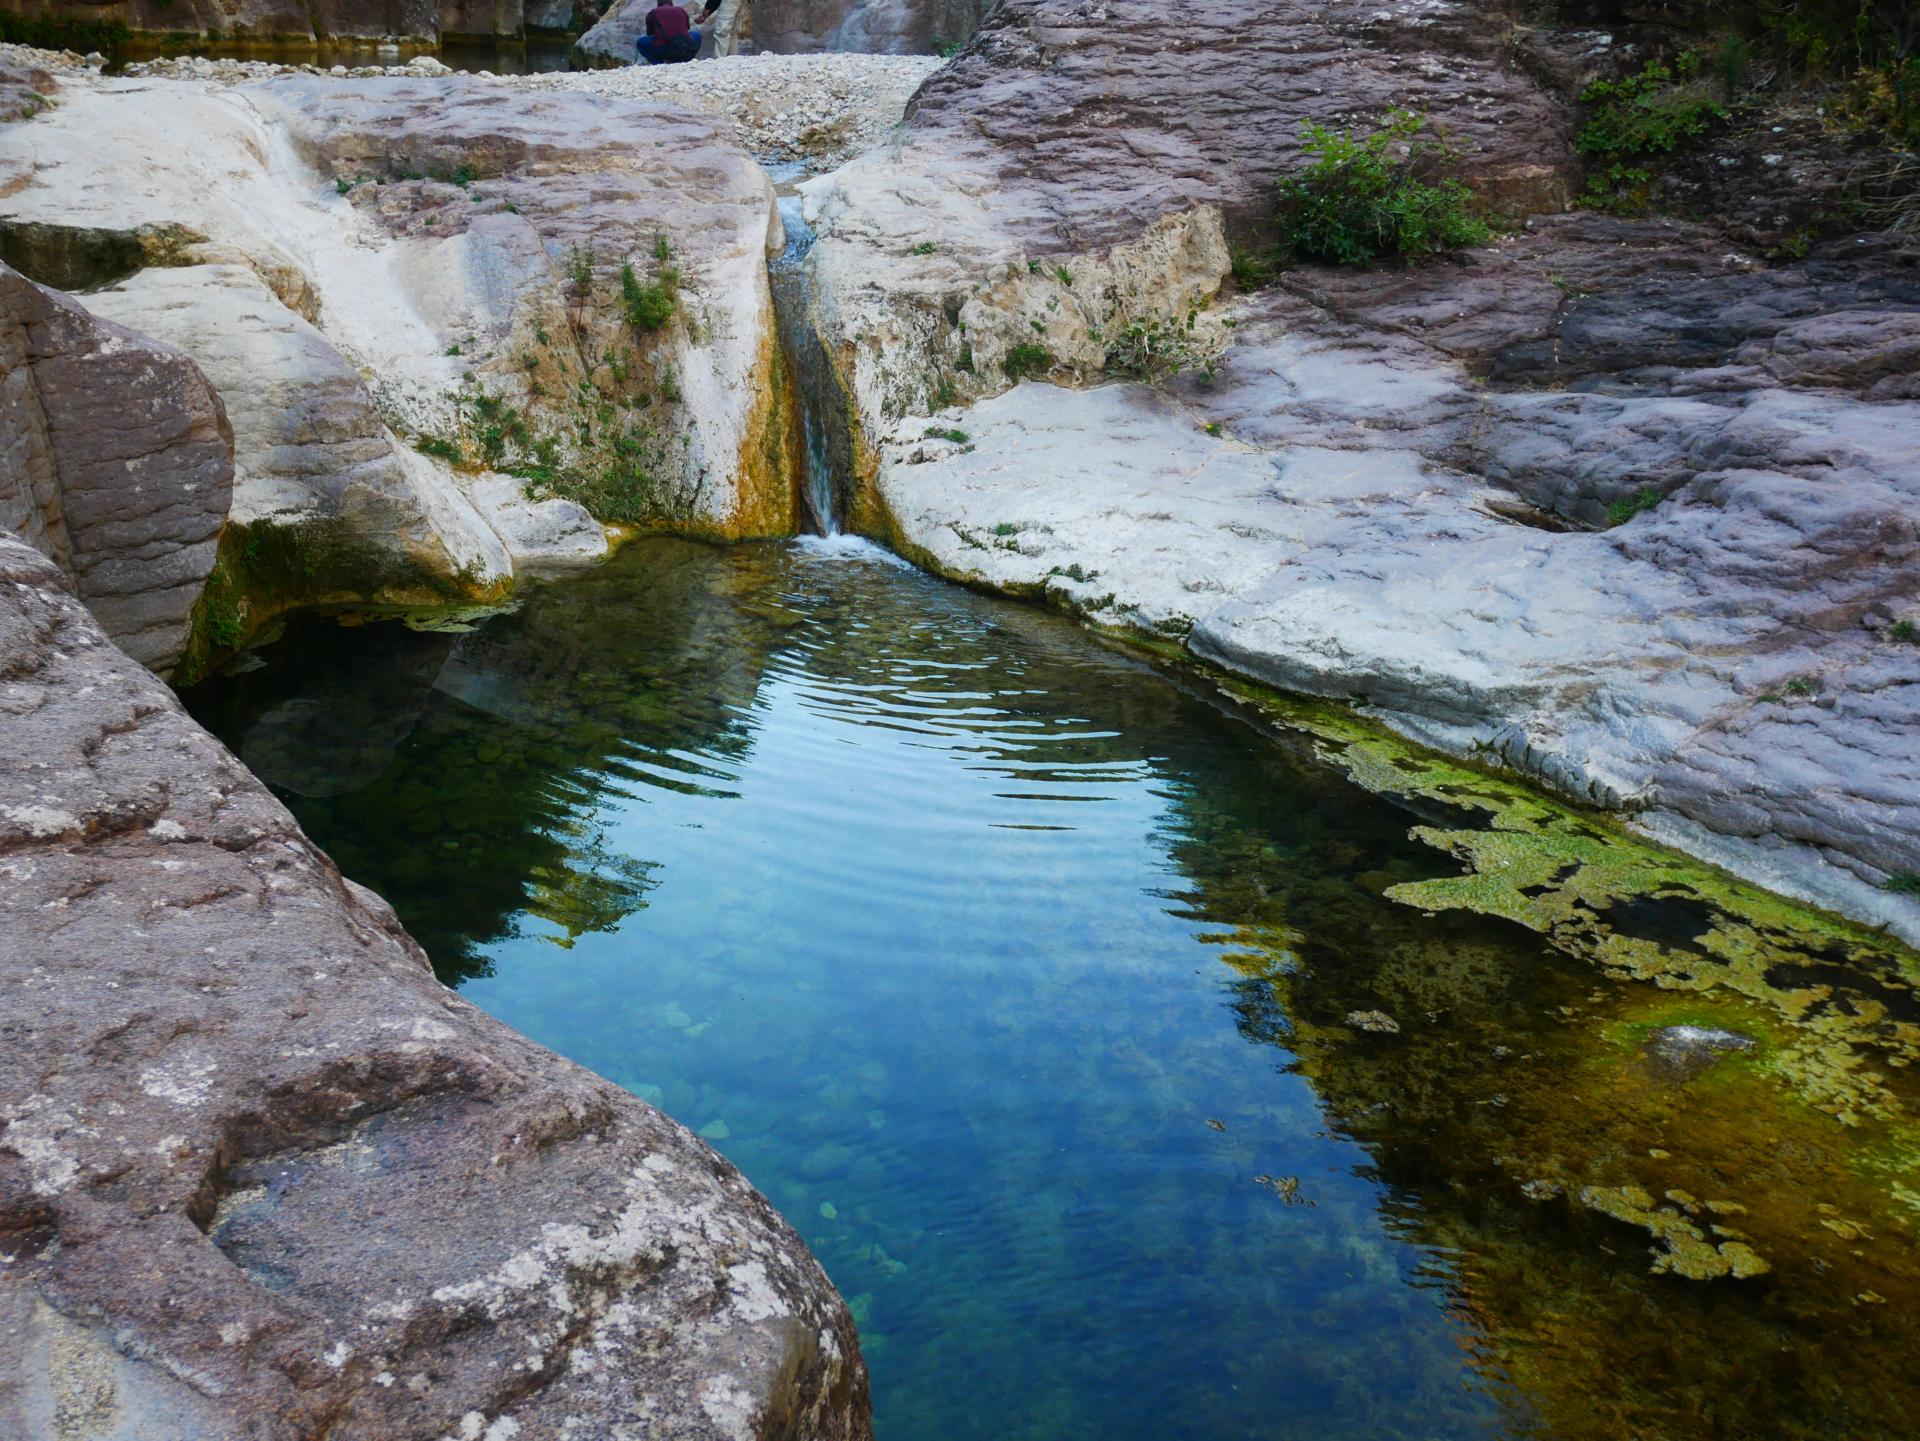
(1775, 1185)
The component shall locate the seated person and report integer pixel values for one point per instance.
(671, 38)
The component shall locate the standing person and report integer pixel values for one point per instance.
(671, 38)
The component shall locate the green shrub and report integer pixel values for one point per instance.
(48, 32)
(1733, 66)
(1905, 632)
(1649, 113)
(1360, 199)
(650, 305)
(580, 263)
(1622, 511)
(1902, 883)
(1250, 269)
(1157, 350)
(1026, 359)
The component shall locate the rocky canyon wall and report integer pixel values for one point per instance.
(456, 329)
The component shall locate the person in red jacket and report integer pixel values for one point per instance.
(671, 38)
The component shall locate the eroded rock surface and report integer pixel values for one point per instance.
(116, 461)
(384, 278)
(262, 1176)
(1659, 561)
(1078, 167)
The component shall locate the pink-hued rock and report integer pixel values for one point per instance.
(262, 1176)
(116, 461)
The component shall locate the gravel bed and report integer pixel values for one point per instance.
(815, 110)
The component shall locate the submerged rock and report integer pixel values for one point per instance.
(261, 1175)
(1378, 1022)
(1683, 1052)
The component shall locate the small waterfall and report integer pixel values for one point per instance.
(815, 389)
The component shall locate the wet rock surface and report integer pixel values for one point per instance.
(116, 460)
(261, 1175)
(1683, 1052)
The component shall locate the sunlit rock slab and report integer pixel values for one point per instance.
(412, 248)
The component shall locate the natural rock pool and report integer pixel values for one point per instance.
(1063, 1011)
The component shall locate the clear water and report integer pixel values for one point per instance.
(1033, 988)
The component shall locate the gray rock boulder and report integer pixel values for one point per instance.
(116, 460)
(261, 1176)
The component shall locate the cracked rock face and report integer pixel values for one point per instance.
(116, 460)
(262, 1176)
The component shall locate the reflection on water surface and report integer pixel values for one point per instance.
(1065, 1016)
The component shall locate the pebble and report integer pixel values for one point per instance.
(1377, 1021)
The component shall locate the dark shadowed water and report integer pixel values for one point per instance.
(1062, 1014)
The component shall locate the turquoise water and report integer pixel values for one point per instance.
(1033, 988)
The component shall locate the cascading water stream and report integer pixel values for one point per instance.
(813, 383)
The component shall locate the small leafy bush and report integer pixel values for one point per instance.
(1027, 359)
(1902, 883)
(1157, 350)
(649, 305)
(1649, 113)
(1905, 632)
(1250, 269)
(1622, 511)
(1363, 198)
(580, 262)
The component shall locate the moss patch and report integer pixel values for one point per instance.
(263, 571)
